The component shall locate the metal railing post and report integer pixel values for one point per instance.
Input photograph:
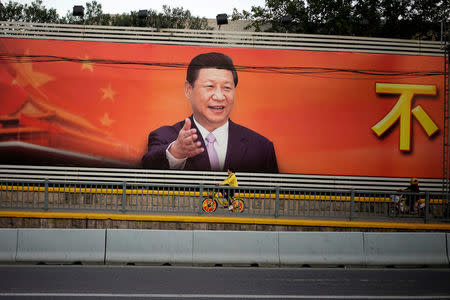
(124, 196)
(427, 206)
(200, 210)
(277, 202)
(446, 202)
(46, 194)
(352, 204)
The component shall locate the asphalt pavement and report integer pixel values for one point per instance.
(168, 282)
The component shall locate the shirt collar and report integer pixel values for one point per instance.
(220, 133)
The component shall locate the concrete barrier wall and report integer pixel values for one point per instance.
(61, 245)
(236, 247)
(8, 245)
(321, 248)
(149, 246)
(223, 247)
(405, 248)
(448, 247)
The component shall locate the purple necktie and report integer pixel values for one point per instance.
(213, 158)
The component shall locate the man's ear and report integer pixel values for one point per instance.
(187, 89)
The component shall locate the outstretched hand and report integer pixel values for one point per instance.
(186, 144)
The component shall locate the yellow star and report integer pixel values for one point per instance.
(108, 92)
(25, 75)
(86, 63)
(106, 121)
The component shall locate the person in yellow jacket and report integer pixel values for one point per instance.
(231, 180)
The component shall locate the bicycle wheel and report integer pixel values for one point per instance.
(209, 205)
(393, 210)
(238, 205)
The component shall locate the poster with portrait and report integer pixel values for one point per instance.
(80, 103)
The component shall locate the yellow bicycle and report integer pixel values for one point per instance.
(213, 199)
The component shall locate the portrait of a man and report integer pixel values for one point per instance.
(208, 140)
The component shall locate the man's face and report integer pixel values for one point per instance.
(212, 97)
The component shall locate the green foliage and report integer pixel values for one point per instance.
(377, 18)
(11, 12)
(169, 18)
(35, 12)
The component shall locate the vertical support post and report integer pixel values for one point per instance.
(124, 196)
(201, 199)
(277, 202)
(352, 204)
(46, 194)
(427, 206)
(446, 134)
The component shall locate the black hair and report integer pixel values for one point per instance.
(211, 60)
(232, 170)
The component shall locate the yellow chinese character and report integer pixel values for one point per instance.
(402, 110)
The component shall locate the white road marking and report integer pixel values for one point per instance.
(209, 296)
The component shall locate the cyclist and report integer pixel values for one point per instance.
(412, 196)
(231, 180)
(413, 199)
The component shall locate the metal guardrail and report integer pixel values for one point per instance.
(145, 198)
(301, 181)
(218, 38)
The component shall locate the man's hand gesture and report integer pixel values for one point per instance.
(186, 144)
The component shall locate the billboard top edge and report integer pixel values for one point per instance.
(219, 39)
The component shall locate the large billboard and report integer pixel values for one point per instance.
(322, 112)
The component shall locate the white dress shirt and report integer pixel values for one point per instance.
(220, 145)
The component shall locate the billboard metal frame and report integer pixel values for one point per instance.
(244, 40)
(261, 40)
